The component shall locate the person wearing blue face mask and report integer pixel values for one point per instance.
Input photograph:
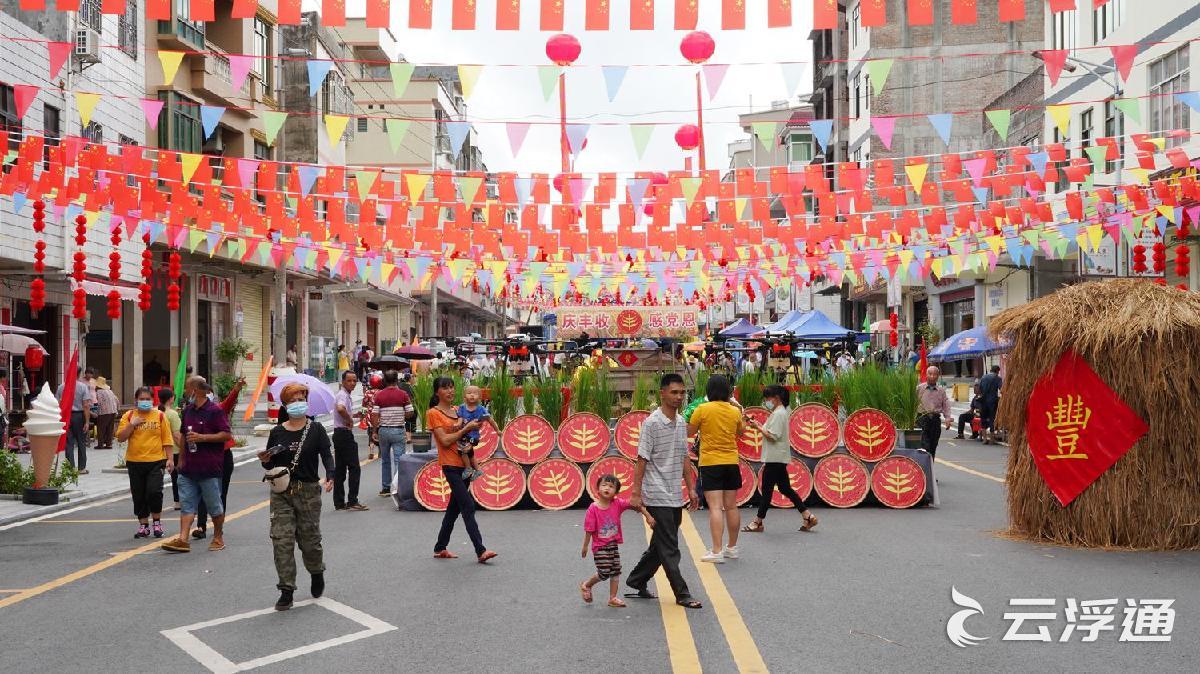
(298, 444)
(149, 452)
(777, 454)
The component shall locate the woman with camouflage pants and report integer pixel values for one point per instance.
(296, 512)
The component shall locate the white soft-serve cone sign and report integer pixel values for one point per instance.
(45, 418)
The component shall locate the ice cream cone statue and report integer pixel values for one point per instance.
(44, 426)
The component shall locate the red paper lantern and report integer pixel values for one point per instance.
(697, 46)
(1183, 264)
(147, 273)
(559, 182)
(658, 178)
(34, 357)
(688, 137)
(1139, 259)
(563, 49)
(37, 288)
(1160, 257)
(174, 271)
(79, 299)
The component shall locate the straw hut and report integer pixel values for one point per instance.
(1143, 340)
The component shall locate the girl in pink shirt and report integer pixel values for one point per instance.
(602, 529)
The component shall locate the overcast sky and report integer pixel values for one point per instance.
(649, 94)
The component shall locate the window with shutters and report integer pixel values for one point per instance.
(1169, 76)
(127, 30)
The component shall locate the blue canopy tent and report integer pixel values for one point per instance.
(740, 328)
(810, 325)
(968, 344)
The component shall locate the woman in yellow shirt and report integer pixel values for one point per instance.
(719, 423)
(150, 448)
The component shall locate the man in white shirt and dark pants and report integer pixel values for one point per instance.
(662, 463)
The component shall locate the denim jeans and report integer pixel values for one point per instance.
(392, 444)
(192, 490)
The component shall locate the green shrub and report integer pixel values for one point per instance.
(501, 403)
(644, 390)
(15, 477)
(422, 386)
(549, 397)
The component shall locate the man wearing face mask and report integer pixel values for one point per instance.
(205, 432)
(227, 405)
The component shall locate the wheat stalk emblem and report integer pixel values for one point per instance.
(897, 482)
(633, 435)
(813, 431)
(528, 440)
(841, 481)
(585, 438)
(439, 487)
(497, 485)
(556, 483)
(870, 435)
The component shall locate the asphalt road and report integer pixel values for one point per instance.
(869, 589)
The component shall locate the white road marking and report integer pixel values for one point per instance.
(85, 506)
(215, 662)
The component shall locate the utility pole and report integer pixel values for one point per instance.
(433, 301)
(279, 344)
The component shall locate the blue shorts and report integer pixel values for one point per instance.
(192, 489)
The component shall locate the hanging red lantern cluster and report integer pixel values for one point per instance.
(79, 301)
(114, 275)
(894, 335)
(1159, 256)
(174, 271)
(750, 291)
(1139, 259)
(147, 273)
(37, 289)
(1183, 264)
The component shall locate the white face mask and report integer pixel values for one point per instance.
(769, 404)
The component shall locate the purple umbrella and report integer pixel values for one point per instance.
(320, 398)
(414, 352)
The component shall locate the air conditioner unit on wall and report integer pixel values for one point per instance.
(87, 45)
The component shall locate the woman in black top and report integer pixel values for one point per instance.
(296, 512)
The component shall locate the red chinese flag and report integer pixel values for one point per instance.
(596, 17)
(68, 396)
(825, 14)
(552, 15)
(964, 12)
(203, 10)
(242, 9)
(112, 7)
(32, 5)
(779, 13)
(508, 14)
(420, 14)
(641, 14)
(874, 13)
(1012, 10)
(1077, 427)
(333, 13)
(158, 10)
(733, 14)
(379, 13)
(1057, 6)
(463, 15)
(687, 14)
(920, 12)
(289, 12)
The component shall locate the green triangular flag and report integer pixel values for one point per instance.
(548, 76)
(1000, 121)
(401, 75)
(765, 132)
(272, 122)
(181, 373)
(1097, 154)
(641, 137)
(396, 130)
(470, 188)
(365, 181)
(1131, 108)
(194, 240)
(689, 186)
(878, 69)
(866, 324)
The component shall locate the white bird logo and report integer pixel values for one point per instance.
(955, 627)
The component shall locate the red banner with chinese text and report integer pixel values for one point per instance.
(1077, 427)
(675, 321)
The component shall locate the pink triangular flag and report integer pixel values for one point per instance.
(239, 67)
(1054, 60)
(975, 170)
(247, 169)
(59, 51)
(151, 107)
(1123, 54)
(516, 135)
(24, 95)
(714, 75)
(884, 128)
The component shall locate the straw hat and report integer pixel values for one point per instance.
(101, 382)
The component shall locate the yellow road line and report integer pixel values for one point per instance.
(107, 563)
(969, 471)
(10, 591)
(681, 646)
(737, 635)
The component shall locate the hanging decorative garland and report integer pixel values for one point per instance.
(147, 273)
(79, 301)
(37, 289)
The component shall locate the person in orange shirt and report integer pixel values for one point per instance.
(443, 422)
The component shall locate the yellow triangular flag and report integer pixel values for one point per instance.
(1143, 175)
(335, 256)
(1160, 143)
(916, 175)
(416, 185)
(1168, 212)
(170, 61)
(335, 126)
(190, 163)
(1061, 114)
(86, 103)
(468, 75)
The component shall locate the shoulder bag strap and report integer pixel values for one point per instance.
(300, 447)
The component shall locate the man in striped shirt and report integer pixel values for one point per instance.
(392, 407)
(661, 466)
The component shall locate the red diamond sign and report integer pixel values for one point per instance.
(627, 359)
